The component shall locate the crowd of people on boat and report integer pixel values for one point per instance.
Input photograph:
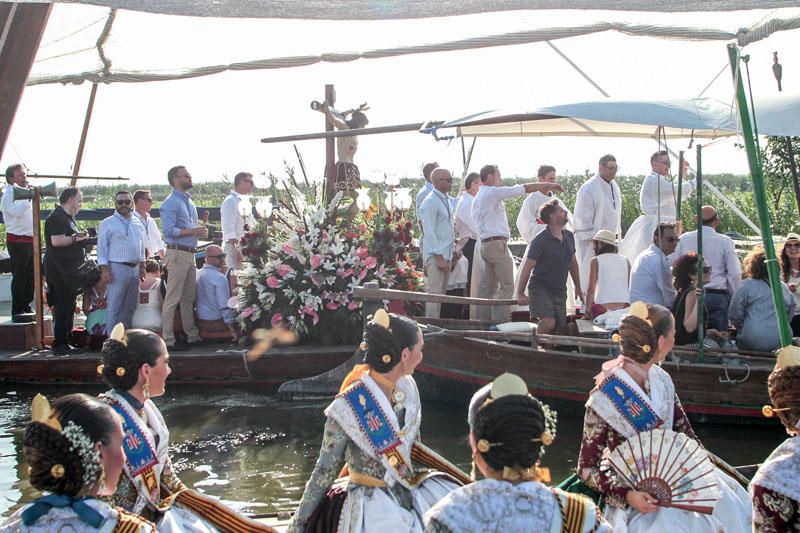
(144, 277)
(465, 244)
(103, 464)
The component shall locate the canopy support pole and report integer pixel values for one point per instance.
(76, 169)
(21, 29)
(330, 148)
(761, 199)
(678, 200)
(701, 304)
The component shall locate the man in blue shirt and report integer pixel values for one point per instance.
(213, 293)
(438, 249)
(181, 230)
(120, 254)
(651, 274)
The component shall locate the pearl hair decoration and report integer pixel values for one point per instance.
(84, 447)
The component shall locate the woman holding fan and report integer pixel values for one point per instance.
(633, 395)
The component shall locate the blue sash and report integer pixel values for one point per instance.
(42, 506)
(629, 404)
(371, 418)
(138, 452)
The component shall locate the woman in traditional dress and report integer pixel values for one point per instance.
(508, 431)
(633, 395)
(371, 426)
(74, 454)
(776, 486)
(136, 366)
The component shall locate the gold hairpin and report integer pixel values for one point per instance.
(100, 369)
(769, 411)
(484, 445)
(118, 334)
(363, 346)
(545, 438)
(57, 471)
(120, 371)
(41, 412)
(616, 338)
(386, 358)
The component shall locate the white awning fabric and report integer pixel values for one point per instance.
(113, 44)
(682, 118)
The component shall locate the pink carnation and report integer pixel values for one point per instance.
(277, 318)
(283, 270)
(370, 262)
(315, 261)
(273, 282)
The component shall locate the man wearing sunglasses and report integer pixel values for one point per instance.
(651, 275)
(726, 269)
(120, 254)
(213, 293)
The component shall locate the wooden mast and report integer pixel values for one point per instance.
(21, 30)
(330, 148)
(76, 169)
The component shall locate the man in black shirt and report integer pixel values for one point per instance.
(65, 252)
(551, 257)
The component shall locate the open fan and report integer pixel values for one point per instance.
(671, 467)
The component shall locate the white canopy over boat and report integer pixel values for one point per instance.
(610, 117)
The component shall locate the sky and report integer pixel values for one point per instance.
(214, 124)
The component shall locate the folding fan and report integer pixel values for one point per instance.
(671, 467)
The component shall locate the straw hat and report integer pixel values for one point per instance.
(607, 237)
(792, 237)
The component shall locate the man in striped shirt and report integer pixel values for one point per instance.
(120, 254)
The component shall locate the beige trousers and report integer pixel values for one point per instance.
(497, 280)
(181, 289)
(435, 283)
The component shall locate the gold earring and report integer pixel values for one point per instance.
(146, 388)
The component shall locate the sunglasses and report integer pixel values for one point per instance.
(706, 270)
(613, 168)
(792, 245)
(123, 202)
(216, 256)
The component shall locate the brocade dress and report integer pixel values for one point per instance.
(608, 424)
(67, 520)
(776, 490)
(492, 505)
(385, 492)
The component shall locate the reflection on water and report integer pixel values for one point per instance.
(256, 453)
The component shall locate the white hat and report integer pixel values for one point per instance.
(605, 236)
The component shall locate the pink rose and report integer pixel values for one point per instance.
(273, 282)
(353, 305)
(283, 270)
(370, 262)
(277, 318)
(333, 306)
(315, 261)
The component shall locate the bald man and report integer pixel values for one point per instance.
(213, 293)
(438, 249)
(726, 270)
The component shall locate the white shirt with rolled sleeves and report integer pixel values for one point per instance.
(17, 214)
(528, 222)
(720, 254)
(232, 220)
(153, 241)
(465, 223)
(489, 211)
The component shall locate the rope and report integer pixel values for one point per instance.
(101, 40)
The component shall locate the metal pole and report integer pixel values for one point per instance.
(761, 200)
(38, 304)
(700, 296)
(680, 187)
(76, 169)
(330, 148)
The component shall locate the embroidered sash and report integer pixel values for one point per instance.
(623, 404)
(779, 471)
(142, 465)
(367, 417)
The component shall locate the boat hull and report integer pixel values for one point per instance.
(454, 367)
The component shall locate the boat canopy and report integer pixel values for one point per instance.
(109, 41)
(610, 117)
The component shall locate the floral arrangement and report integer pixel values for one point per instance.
(303, 262)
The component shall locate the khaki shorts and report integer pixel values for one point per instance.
(546, 305)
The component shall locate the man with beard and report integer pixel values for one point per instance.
(181, 230)
(120, 255)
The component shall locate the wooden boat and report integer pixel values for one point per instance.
(460, 356)
(210, 364)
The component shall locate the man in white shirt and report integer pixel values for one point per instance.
(236, 212)
(153, 241)
(438, 251)
(598, 205)
(489, 212)
(18, 219)
(465, 224)
(528, 222)
(726, 270)
(651, 275)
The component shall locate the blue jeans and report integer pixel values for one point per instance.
(122, 295)
(717, 305)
